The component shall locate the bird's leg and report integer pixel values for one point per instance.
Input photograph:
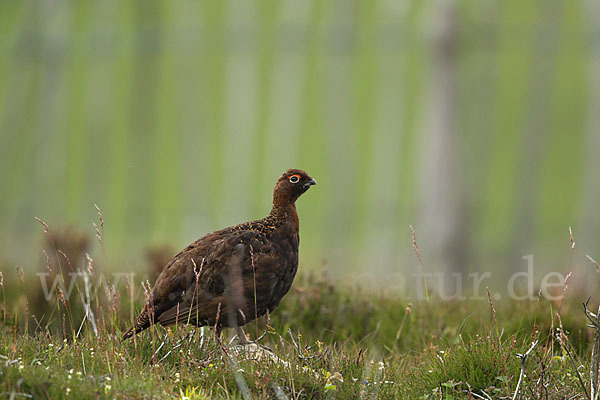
(243, 339)
(218, 330)
(241, 335)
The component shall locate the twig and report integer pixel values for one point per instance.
(261, 337)
(474, 395)
(161, 346)
(540, 380)
(523, 358)
(487, 396)
(301, 350)
(13, 394)
(178, 345)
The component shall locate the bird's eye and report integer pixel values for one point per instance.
(294, 178)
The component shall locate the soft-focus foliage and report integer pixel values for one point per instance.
(474, 121)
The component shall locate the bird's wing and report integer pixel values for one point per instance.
(237, 273)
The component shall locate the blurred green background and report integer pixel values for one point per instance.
(476, 122)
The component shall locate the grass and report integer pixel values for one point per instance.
(328, 340)
(331, 341)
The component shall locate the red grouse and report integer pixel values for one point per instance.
(232, 276)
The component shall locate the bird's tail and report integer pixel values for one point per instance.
(141, 322)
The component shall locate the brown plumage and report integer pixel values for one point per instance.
(232, 276)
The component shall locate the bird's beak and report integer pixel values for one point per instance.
(309, 184)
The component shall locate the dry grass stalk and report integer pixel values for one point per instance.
(571, 253)
(595, 324)
(418, 253)
(100, 231)
(493, 310)
(595, 362)
(45, 225)
(594, 262)
(564, 342)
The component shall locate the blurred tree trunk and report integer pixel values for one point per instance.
(590, 199)
(544, 53)
(442, 228)
(146, 69)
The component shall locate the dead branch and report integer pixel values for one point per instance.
(523, 358)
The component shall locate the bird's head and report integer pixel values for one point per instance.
(290, 186)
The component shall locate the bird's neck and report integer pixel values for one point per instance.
(286, 213)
